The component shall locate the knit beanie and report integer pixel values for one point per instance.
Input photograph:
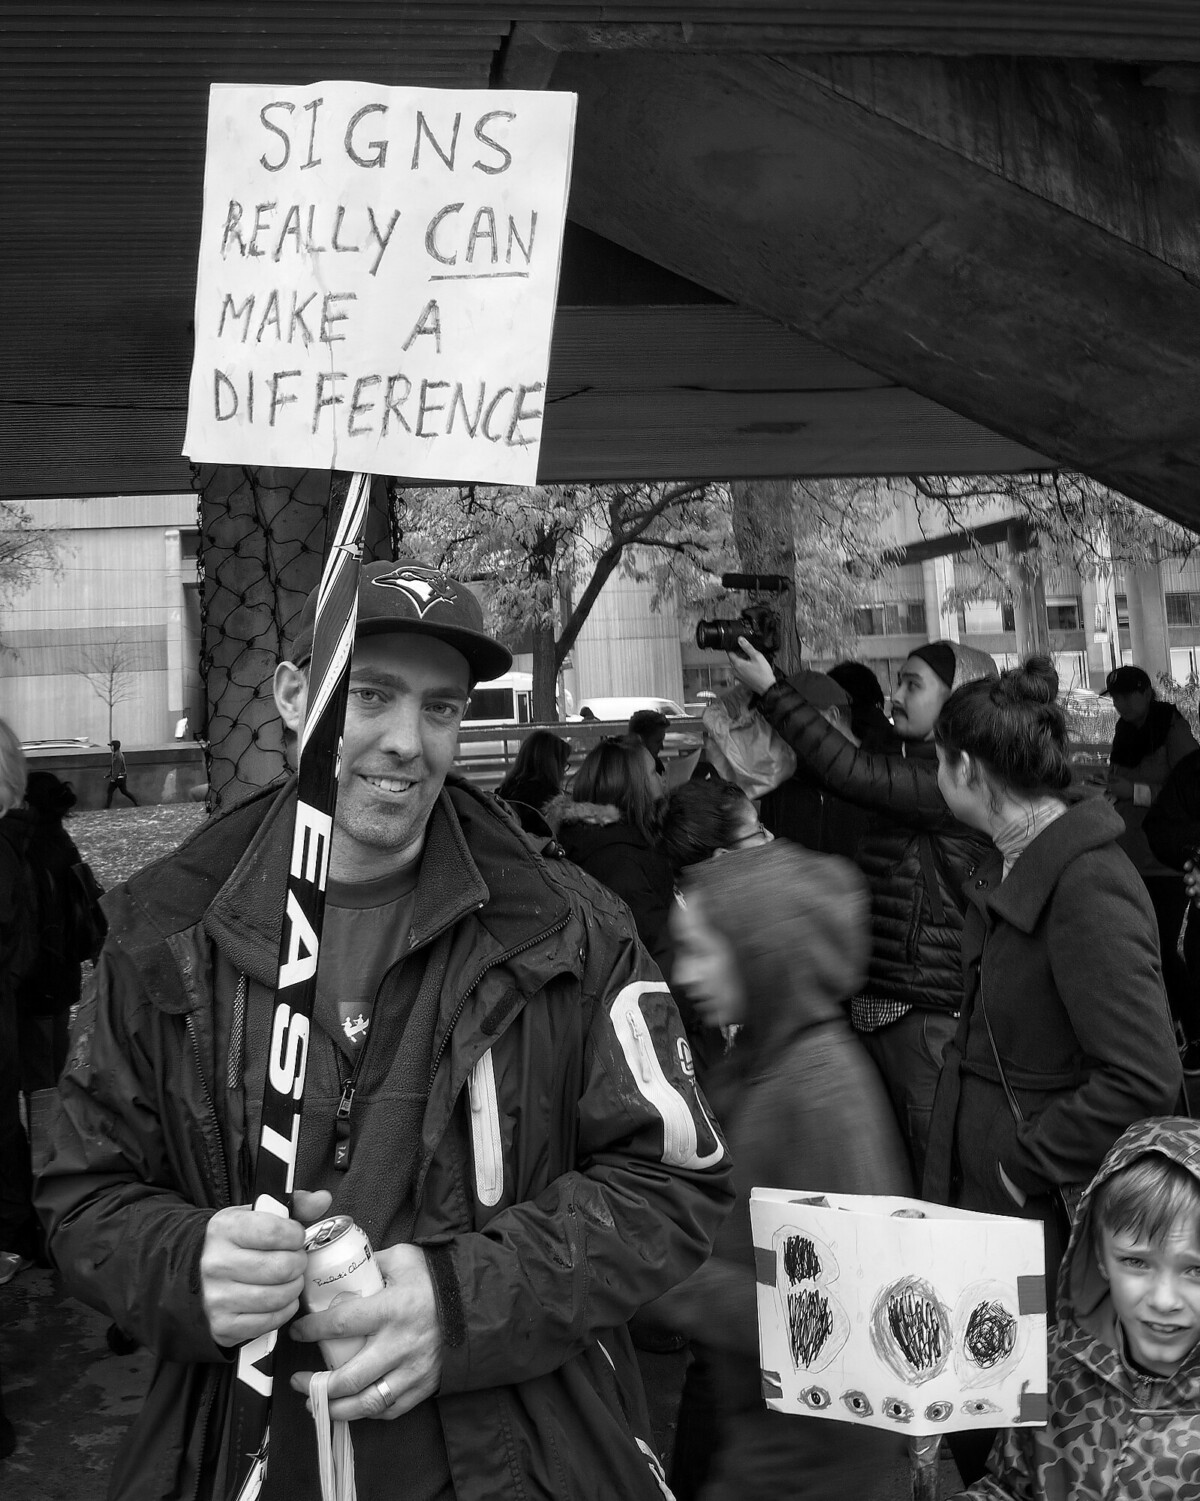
(956, 664)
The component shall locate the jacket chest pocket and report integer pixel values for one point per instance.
(486, 1144)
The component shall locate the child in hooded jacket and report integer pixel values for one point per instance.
(1124, 1358)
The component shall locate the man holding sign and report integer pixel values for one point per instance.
(498, 1091)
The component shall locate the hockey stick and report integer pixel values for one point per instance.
(296, 985)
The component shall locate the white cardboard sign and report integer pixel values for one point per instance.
(377, 278)
(899, 1314)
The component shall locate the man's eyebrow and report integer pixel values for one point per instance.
(382, 678)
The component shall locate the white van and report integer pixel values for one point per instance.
(506, 700)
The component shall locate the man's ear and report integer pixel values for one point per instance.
(291, 694)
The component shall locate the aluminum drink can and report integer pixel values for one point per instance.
(340, 1265)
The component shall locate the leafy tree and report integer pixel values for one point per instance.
(26, 549)
(547, 551)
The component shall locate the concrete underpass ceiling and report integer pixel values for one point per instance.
(786, 338)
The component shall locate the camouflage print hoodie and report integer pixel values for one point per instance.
(1115, 1433)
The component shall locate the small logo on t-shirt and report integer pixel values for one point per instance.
(355, 1027)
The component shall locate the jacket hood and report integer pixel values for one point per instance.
(1081, 1287)
(798, 923)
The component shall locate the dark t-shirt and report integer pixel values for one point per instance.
(366, 932)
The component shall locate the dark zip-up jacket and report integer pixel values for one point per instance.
(569, 1169)
(914, 852)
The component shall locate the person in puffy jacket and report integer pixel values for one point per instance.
(914, 854)
(1124, 1352)
(612, 829)
(495, 1089)
(772, 940)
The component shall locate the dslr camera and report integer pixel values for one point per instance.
(758, 623)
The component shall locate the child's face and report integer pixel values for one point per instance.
(1155, 1286)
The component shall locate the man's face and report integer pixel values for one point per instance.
(407, 697)
(1134, 705)
(653, 739)
(918, 700)
(1155, 1287)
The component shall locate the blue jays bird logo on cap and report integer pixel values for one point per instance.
(425, 587)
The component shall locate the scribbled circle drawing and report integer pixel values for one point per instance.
(815, 1323)
(979, 1407)
(858, 1403)
(897, 1410)
(816, 1397)
(989, 1339)
(910, 1330)
(938, 1412)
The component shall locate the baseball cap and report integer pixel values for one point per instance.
(1126, 680)
(819, 690)
(420, 601)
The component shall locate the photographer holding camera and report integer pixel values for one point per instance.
(914, 854)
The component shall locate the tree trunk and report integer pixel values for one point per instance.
(263, 538)
(764, 528)
(545, 675)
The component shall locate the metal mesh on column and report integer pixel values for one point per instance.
(262, 541)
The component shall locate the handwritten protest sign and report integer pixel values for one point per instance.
(899, 1314)
(377, 278)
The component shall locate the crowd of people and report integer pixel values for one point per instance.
(563, 1030)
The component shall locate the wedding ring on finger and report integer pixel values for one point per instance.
(385, 1391)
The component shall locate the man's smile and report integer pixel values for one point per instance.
(389, 784)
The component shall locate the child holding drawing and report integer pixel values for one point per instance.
(773, 940)
(1124, 1390)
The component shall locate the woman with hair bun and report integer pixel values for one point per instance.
(1064, 990)
(1065, 1038)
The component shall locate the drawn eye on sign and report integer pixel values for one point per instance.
(813, 1317)
(989, 1340)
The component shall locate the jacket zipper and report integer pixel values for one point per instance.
(485, 1132)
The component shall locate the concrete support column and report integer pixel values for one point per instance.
(1148, 636)
(173, 586)
(941, 620)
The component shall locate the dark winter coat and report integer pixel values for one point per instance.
(1065, 949)
(914, 853)
(1146, 757)
(585, 1181)
(1114, 1433)
(1172, 823)
(596, 838)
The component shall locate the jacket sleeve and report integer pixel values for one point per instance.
(885, 783)
(1102, 943)
(544, 1278)
(120, 1229)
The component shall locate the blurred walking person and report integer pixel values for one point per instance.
(773, 940)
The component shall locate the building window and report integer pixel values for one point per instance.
(1008, 615)
(1123, 610)
(1063, 614)
(903, 617)
(1182, 609)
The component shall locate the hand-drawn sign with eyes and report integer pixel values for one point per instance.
(910, 1330)
(814, 1321)
(989, 1339)
(857, 1403)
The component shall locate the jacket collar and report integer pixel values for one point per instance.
(231, 876)
(1020, 900)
